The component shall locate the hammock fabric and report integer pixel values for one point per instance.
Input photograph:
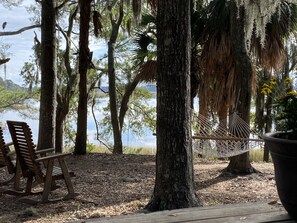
(226, 138)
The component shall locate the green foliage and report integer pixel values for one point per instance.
(284, 96)
(29, 73)
(18, 101)
(10, 3)
(139, 117)
(287, 114)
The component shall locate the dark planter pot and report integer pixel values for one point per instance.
(284, 157)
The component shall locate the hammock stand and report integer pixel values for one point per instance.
(227, 138)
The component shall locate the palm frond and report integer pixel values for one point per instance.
(147, 71)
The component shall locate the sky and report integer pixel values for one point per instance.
(21, 45)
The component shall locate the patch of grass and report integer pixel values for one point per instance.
(140, 150)
(92, 148)
(256, 155)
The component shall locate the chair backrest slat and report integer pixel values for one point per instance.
(25, 148)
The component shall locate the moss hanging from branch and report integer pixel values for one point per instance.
(257, 15)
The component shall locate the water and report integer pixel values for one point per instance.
(129, 139)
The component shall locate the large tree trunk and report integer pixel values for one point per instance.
(47, 115)
(243, 69)
(84, 62)
(174, 184)
(117, 131)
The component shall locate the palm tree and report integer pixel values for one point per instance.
(221, 74)
(218, 85)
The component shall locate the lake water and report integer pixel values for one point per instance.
(129, 139)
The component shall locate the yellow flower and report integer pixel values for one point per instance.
(266, 90)
(288, 80)
(265, 85)
(272, 82)
(292, 93)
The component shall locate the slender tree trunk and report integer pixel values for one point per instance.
(174, 184)
(84, 62)
(194, 75)
(117, 131)
(47, 115)
(59, 132)
(65, 93)
(268, 117)
(259, 104)
(125, 100)
(243, 69)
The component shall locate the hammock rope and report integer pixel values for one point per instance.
(226, 138)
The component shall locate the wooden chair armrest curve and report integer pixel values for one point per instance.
(9, 144)
(53, 156)
(11, 153)
(43, 151)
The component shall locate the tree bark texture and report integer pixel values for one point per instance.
(84, 62)
(117, 131)
(174, 184)
(47, 115)
(243, 69)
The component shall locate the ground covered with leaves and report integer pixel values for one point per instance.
(111, 185)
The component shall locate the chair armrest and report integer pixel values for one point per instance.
(54, 156)
(11, 153)
(43, 151)
(9, 144)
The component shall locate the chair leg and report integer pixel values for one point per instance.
(18, 175)
(29, 185)
(71, 193)
(48, 181)
(22, 193)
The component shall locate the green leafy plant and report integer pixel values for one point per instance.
(285, 105)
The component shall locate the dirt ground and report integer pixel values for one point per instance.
(111, 185)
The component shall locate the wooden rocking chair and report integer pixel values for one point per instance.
(8, 160)
(41, 169)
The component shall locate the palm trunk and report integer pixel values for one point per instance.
(243, 69)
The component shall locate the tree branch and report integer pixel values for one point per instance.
(10, 33)
(3, 61)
